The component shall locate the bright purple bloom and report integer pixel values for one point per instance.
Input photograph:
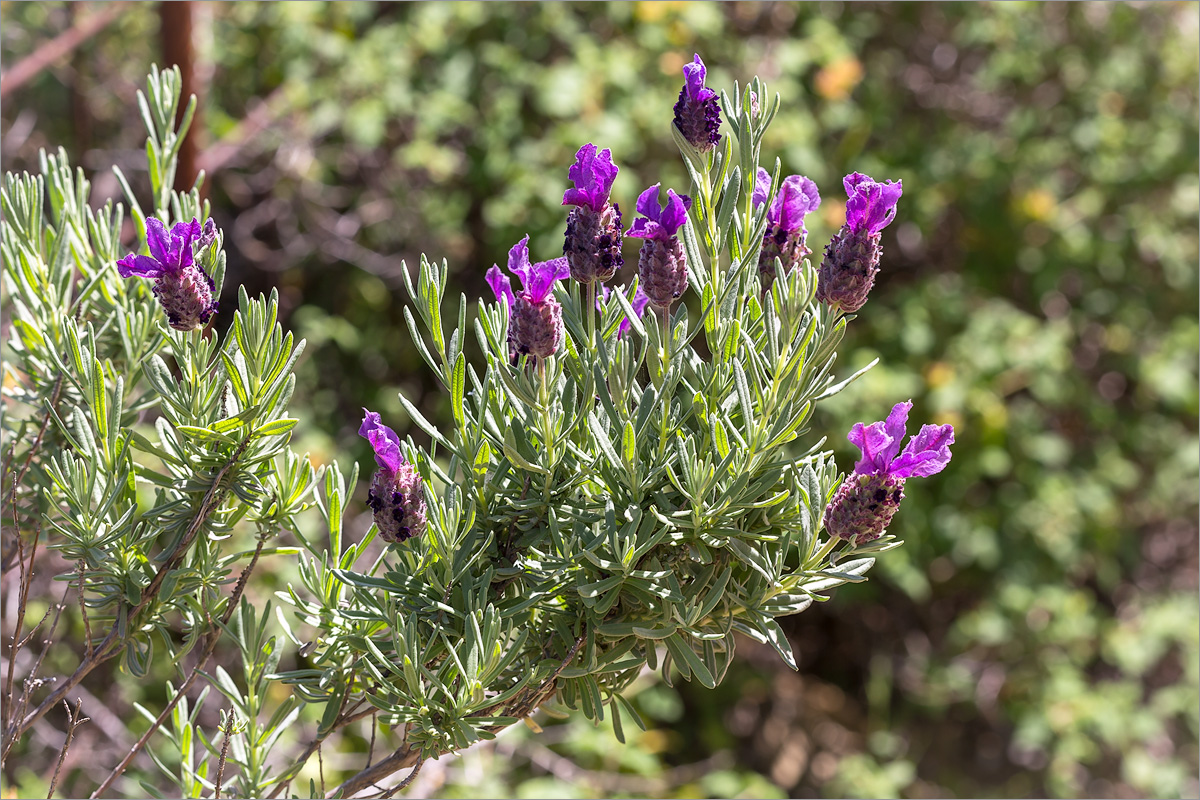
(660, 223)
(785, 235)
(697, 114)
(535, 316)
(592, 245)
(183, 288)
(662, 264)
(593, 174)
(866, 501)
(396, 496)
(871, 205)
(851, 260)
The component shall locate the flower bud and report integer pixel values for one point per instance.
(662, 269)
(863, 506)
(593, 243)
(535, 329)
(182, 287)
(396, 496)
(697, 114)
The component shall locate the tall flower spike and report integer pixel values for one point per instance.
(785, 235)
(396, 496)
(593, 238)
(697, 115)
(851, 259)
(662, 265)
(864, 504)
(535, 317)
(182, 287)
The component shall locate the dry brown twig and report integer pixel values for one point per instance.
(73, 722)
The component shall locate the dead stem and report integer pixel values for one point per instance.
(73, 722)
(210, 646)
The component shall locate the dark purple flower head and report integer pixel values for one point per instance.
(660, 223)
(697, 113)
(593, 174)
(927, 453)
(397, 495)
(798, 196)
(864, 504)
(182, 286)
(871, 205)
(537, 280)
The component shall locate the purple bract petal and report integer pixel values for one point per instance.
(660, 223)
(593, 174)
(762, 188)
(537, 280)
(383, 440)
(927, 453)
(501, 285)
(797, 197)
(872, 205)
(141, 266)
(693, 77)
(159, 242)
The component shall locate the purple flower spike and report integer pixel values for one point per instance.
(785, 235)
(183, 288)
(592, 245)
(535, 321)
(697, 115)
(662, 265)
(397, 495)
(593, 174)
(851, 259)
(872, 206)
(866, 501)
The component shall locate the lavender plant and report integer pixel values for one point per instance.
(629, 480)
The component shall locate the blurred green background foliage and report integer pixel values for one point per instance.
(1038, 634)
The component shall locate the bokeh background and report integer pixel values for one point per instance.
(1038, 632)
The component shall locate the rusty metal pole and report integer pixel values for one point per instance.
(178, 48)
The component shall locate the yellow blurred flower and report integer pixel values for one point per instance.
(838, 78)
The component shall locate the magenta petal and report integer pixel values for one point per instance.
(647, 203)
(383, 440)
(872, 440)
(501, 285)
(693, 78)
(518, 262)
(927, 454)
(674, 215)
(158, 241)
(797, 197)
(593, 174)
(141, 266)
(542, 278)
(762, 188)
(896, 428)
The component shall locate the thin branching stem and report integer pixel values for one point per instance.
(73, 722)
(210, 646)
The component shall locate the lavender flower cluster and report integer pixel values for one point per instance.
(592, 254)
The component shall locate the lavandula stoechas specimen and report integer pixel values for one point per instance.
(182, 286)
(396, 496)
(662, 265)
(593, 239)
(697, 115)
(786, 234)
(851, 259)
(865, 502)
(535, 324)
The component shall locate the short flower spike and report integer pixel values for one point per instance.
(851, 261)
(183, 288)
(785, 235)
(535, 321)
(697, 114)
(397, 495)
(592, 243)
(662, 264)
(864, 504)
